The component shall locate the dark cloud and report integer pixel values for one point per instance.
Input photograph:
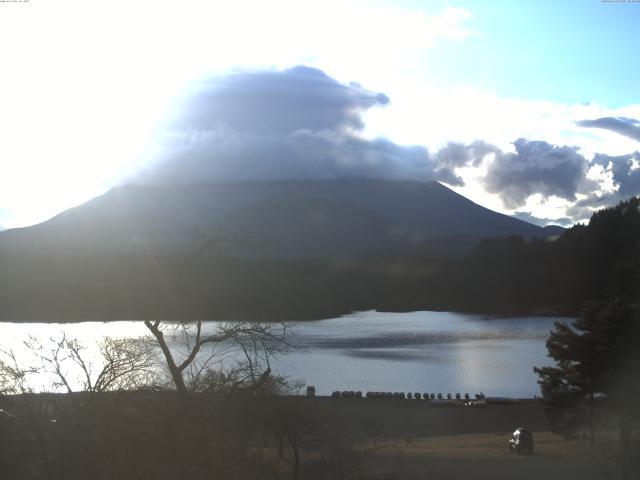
(628, 127)
(296, 123)
(300, 98)
(624, 168)
(626, 179)
(537, 167)
(455, 155)
(224, 154)
(461, 155)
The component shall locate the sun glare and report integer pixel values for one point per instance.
(80, 114)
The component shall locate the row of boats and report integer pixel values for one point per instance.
(434, 399)
(405, 396)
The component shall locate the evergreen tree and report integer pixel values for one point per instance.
(598, 358)
(570, 388)
(624, 379)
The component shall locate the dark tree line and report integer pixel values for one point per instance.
(597, 373)
(513, 276)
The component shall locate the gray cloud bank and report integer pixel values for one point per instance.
(626, 176)
(302, 124)
(300, 98)
(628, 127)
(296, 123)
(537, 168)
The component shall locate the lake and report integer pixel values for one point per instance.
(410, 352)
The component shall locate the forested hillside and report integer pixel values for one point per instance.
(511, 275)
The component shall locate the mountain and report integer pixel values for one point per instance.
(298, 250)
(297, 219)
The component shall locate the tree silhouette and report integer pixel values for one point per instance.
(597, 358)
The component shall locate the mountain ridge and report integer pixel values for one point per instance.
(345, 218)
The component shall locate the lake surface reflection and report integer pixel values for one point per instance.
(415, 351)
(422, 352)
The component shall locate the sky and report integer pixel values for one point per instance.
(528, 108)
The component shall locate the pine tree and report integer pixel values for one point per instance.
(598, 356)
(570, 389)
(597, 365)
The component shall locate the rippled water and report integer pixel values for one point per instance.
(422, 352)
(415, 351)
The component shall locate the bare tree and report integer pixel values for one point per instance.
(41, 423)
(252, 344)
(247, 347)
(14, 376)
(121, 364)
(317, 434)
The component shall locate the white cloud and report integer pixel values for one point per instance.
(434, 116)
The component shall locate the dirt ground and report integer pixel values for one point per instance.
(479, 456)
(411, 440)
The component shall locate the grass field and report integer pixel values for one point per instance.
(415, 441)
(478, 456)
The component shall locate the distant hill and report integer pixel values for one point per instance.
(330, 219)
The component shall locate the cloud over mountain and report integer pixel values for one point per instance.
(296, 123)
(537, 168)
(455, 155)
(300, 123)
(300, 98)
